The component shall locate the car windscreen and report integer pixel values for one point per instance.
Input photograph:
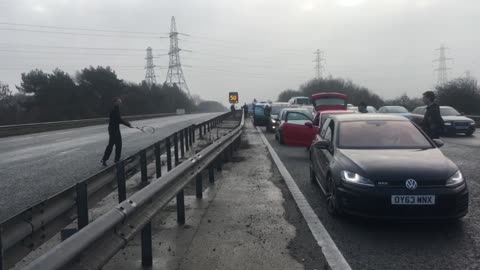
(379, 134)
(448, 111)
(302, 101)
(329, 101)
(396, 109)
(276, 109)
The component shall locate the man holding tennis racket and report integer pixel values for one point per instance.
(115, 137)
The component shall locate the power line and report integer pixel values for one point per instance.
(59, 53)
(72, 47)
(80, 29)
(77, 34)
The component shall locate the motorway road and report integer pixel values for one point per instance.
(374, 244)
(36, 166)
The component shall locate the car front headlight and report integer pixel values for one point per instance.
(355, 178)
(456, 179)
(447, 123)
(472, 123)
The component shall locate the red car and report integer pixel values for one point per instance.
(295, 127)
(329, 101)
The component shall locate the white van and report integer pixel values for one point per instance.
(299, 101)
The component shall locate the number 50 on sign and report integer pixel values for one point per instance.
(233, 97)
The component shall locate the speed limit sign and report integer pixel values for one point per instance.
(233, 97)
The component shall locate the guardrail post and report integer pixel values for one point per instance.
(192, 135)
(147, 254)
(158, 161)
(82, 205)
(211, 173)
(2, 258)
(180, 208)
(121, 185)
(168, 146)
(209, 126)
(182, 144)
(187, 140)
(219, 164)
(143, 166)
(175, 148)
(199, 185)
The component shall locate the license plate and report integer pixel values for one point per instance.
(461, 127)
(413, 199)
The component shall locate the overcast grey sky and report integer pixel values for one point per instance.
(255, 47)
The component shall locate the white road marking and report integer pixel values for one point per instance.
(330, 251)
(68, 151)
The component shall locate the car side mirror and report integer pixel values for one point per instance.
(439, 143)
(309, 124)
(322, 144)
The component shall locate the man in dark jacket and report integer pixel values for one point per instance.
(362, 107)
(115, 137)
(432, 122)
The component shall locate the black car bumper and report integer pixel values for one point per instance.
(376, 202)
(459, 129)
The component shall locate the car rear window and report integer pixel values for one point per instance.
(329, 101)
(381, 135)
(396, 109)
(302, 101)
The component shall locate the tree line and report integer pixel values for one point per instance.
(58, 96)
(461, 93)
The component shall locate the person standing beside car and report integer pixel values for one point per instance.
(362, 107)
(432, 122)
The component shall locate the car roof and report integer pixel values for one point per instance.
(295, 109)
(424, 106)
(337, 112)
(368, 117)
(390, 106)
(280, 103)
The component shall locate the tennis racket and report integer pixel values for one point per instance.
(146, 129)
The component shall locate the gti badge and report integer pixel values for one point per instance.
(411, 184)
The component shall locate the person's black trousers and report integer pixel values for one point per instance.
(115, 138)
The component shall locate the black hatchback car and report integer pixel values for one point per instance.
(378, 165)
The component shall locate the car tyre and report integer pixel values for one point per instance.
(280, 139)
(333, 203)
(470, 133)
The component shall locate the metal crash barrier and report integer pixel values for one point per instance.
(28, 230)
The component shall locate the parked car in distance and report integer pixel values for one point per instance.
(378, 165)
(295, 126)
(299, 101)
(277, 107)
(455, 122)
(398, 110)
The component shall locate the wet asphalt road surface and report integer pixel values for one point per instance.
(375, 244)
(36, 166)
